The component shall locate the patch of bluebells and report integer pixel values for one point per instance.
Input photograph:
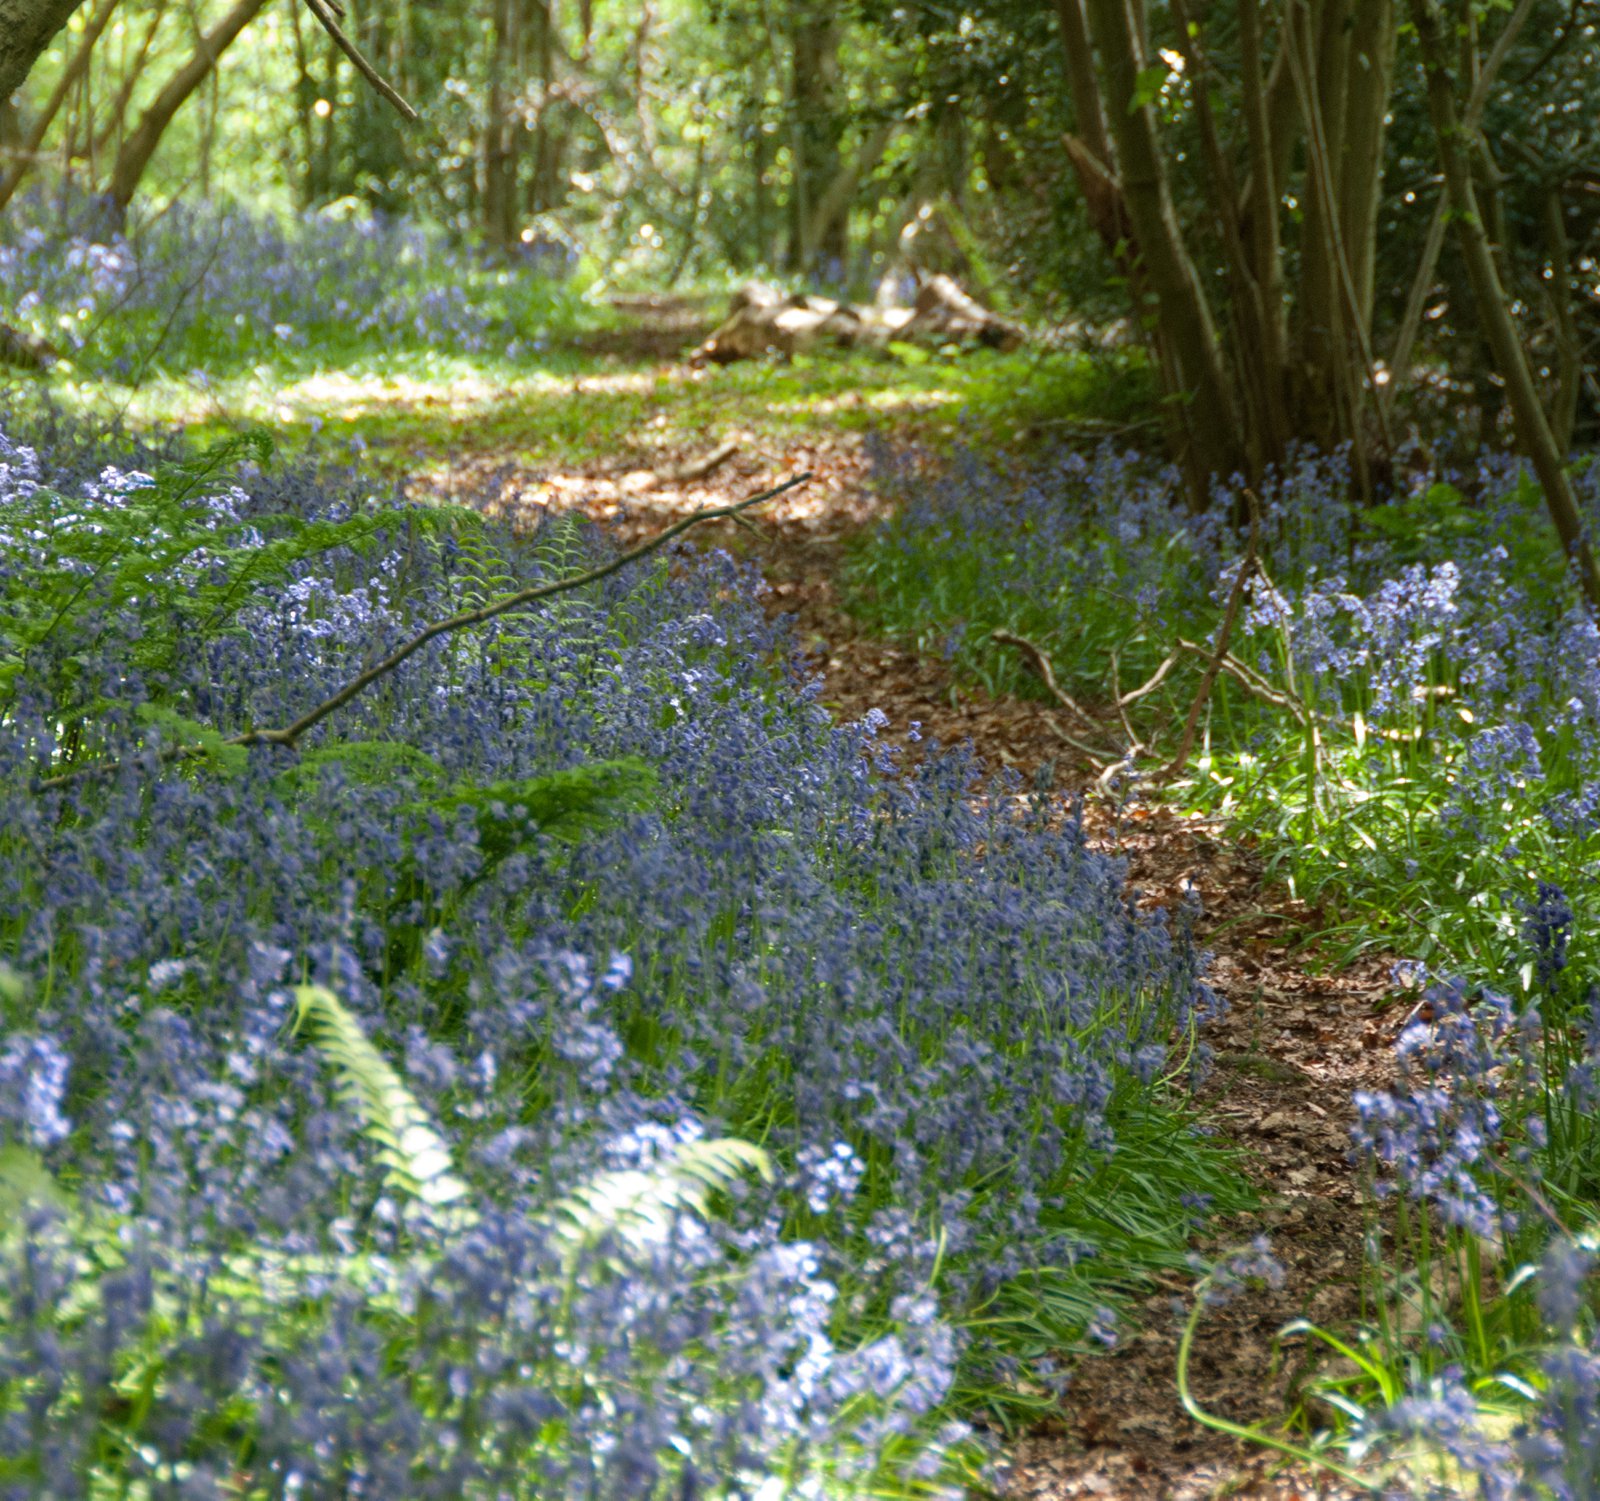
(1442, 618)
(788, 945)
(1466, 1134)
(1446, 620)
(203, 284)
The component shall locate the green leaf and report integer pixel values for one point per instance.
(413, 1151)
(639, 1205)
(26, 1183)
(1147, 87)
(179, 730)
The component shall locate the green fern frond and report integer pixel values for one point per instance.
(25, 1184)
(367, 763)
(639, 1206)
(179, 729)
(417, 1158)
(563, 804)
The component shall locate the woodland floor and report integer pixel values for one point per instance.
(1292, 1047)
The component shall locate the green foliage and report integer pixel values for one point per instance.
(410, 1147)
(26, 1184)
(639, 1206)
(172, 552)
(365, 763)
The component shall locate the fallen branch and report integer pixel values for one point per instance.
(289, 735)
(700, 468)
(1251, 680)
(1135, 744)
(684, 474)
(1047, 673)
(1150, 684)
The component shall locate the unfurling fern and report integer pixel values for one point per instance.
(410, 1147)
(636, 1206)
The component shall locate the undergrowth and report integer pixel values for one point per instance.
(1404, 723)
(574, 1068)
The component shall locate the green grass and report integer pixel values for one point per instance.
(572, 410)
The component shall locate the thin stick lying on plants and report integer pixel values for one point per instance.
(1247, 566)
(1150, 684)
(1135, 744)
(289, 735)
(1250, 680)
(1047, 673)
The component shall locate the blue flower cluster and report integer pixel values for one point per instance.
(1410, 720)
(215, 286)
(931, 1007)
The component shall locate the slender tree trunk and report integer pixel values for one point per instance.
(501, 134)
(832, 206)
(1087, 114)
(1185, 312)
(77, 66)
(140, 146)
(1569, 350)
(1494, 315)
(815, 42)
(111, 134)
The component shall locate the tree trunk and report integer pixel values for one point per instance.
(1494, 315)
(112, 132)
(815, 40)
(1088, 116)
(74, 70)
(27, 27)
(830, 212)
(1212, 424)
(140, 147)
(502, 128)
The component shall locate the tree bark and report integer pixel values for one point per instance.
(815, 86)
(78, 64)
(1494, 315)
(1084, 90)
(27, 27)
(1211, 421)
(140, 146)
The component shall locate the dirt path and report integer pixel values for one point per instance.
(1290, 1051)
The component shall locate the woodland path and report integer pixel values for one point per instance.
(1289, 1052)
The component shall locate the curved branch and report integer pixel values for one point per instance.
(289, 735)
(323, 10)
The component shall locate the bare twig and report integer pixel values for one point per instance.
(683, 474)
(1135, 744)
(289, 735)
(327, 13)
(1250, 680)
(1247, 566)
(1150, 684)
(1047, 673)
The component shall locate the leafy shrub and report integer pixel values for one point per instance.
(585, 891)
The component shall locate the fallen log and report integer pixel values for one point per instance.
(762, 321)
